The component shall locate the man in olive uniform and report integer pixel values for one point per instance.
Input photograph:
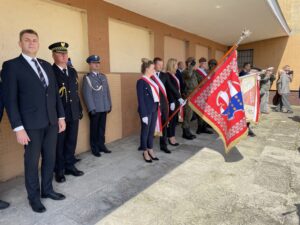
(97, 98)
(202, 70)
(191, 79)
(67, 82)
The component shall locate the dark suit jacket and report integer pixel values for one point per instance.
(182, 84)
(27, 102)
(172, 92)
(1, 101)
(146, 104)
(69, 97)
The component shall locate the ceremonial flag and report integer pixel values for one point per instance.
(220, 103)
(251, 96)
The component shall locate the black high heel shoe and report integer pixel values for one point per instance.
(146, 160)
(153, 158)
(176, 144)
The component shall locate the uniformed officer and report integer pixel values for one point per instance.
(67, 81)
(202, 70)
(191, 79)
(97, 98)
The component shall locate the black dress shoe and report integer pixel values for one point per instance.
(3, 204)
(76, 160)
(106, 151)
(147, 160)
(176, 144)
(37, 206)
(97, 154)
(60, 177)
(54, 196)
(165, 149)
(251, 133)
(73, 171)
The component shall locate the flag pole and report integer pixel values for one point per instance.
(244, 35)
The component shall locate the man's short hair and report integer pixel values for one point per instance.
(27, 31)
(157, 59)
(202, 59)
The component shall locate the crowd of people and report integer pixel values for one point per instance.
(44, 109)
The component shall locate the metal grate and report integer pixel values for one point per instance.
(245, 56)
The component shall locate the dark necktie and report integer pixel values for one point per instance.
(40, 73)
(65, 72)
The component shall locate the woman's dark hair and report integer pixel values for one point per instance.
(146, 63)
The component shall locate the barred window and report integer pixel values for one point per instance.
(245, 56)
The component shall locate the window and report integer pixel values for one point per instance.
(245, 56)
(128, 44)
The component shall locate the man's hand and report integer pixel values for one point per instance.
(22, 137)
(61, 125)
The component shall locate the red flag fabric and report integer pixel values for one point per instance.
(220, 103)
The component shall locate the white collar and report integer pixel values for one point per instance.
(28, 58)
(61, 67)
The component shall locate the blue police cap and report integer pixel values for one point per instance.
(93, 59)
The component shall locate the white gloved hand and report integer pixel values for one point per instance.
(181, 101)
(145, 120)
(172, 106)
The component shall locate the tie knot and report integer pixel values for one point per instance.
(34, 60)
(65, 71)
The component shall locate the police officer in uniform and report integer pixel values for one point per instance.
(97, 98)
(191, 79)
(67, 82)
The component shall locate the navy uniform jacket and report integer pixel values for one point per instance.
(68, 91)
(96, 94)
(28, 103)
(146, 104)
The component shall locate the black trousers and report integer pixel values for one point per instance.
(147, 132)
(66, 145)
(42, 142)
(97, 131)
(172, 125)
(164, 117)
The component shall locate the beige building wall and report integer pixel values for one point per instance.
(45, 17)
(201, 51)
(128, 44)
(219, 54)
(174, 48)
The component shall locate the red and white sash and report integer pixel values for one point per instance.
(201, 73)
(162, 89)
(158, 126)
(180, 116)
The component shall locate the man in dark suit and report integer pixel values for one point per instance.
(36, 115)
(3, 204)
(67, 82)
(166, 92)
(178, 74)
